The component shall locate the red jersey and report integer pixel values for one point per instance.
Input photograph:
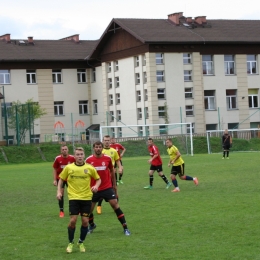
(102, 165)
(118, 147)
(153, 149)
(60, 162)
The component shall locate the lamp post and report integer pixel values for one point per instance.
(5, 114)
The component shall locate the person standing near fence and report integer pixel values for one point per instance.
(59, 163)
(226, 143)
(177, 164)
(156, 165)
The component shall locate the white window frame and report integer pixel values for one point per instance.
(111, 100)
(137, 78)
(119, 131)
(112, 132)
(117, 98)
(31, 77)
(58, 108)
(192, 128)
(5, 77)
(140, 131)
(251, 64)
(137, 61)
(57, 76)
(145, 77)
(229, 62)
(139, 113)
(35, 139)
(161, 111)
(209, 100)
(189, 110)
(146, 112)
(207, 65)
(117, 82)
(253, 100)
(162, 129)
(116, 65)
(231, 99)
(161, 93)
(138, 96)
(146, 95)
(8, 106)
(187, 75)
(93, 77)
(188, 92)
(159, 58)
(81, 75)
(160, 76)
(112, 116)
(83, 107)
(118, 115)
(95, 107)
(109, 67)
(144, 60)
(187, 58)
(109, 82)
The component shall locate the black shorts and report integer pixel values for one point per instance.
(178, 170)
(157, 168)
(115, 165)
(226, 147)
(108, 194)
(80, 206)
(64, 183)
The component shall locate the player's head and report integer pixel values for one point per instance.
(106, 141)
(168, 142)
(97, 148)
(113, 140)
(226, 132)
(150, 141)
(79, 155)
(64, 150)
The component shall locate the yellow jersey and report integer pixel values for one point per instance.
(78, 178)
(112, 153)
(172, 151)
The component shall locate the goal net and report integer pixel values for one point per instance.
(137, 135)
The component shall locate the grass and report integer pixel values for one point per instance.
(216, 220)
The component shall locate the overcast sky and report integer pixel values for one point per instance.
(55, 19)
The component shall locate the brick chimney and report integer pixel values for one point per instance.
(6, 37)
(200, 19)
(189, 20)
(30, 39)
(74, 38)
(175, 17)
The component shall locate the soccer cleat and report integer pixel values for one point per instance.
(196, 181)
(99, 210)
(176, 190)
(149, 187)
(91, 228)
(69, 248)
(223, 157)
(81, 247)
(117, 182)
(121, 182)
(168, 185)
(61, 214)
(127, 232)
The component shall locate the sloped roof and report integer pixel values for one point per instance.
(46, 50)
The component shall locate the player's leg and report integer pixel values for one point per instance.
(61, 201)
(99, 206)
(164, 178)
(224, 152)
(227, 151)
(150, 173)
(174, 171)
(121, 174)
(186, 177)
(95, 199)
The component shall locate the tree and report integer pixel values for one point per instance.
(21, 117)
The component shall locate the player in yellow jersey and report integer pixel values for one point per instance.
(113, 154)
(177, 166)
(78, 176)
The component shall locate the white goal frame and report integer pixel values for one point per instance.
(189, 125)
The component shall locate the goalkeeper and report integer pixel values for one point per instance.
(226, 144)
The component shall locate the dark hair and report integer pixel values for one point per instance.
(98, 143)
(106, 136)
(150, 138)
(169, 139)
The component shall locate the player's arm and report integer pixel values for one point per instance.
(178, 155)
(59, 190)
(54, 176)
(96, 186)
(123, 151)
(154, 156)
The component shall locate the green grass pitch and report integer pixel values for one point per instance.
(219, 219)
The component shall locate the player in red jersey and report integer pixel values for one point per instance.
(120, 150)
(59, 163)
(107, 189)
(156, 165)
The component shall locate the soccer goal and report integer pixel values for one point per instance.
(180, 133)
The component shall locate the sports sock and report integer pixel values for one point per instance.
(151, 180)
(100, 202)
(175, 183)
(120, 176)
(121, 217)
(116, 174)
(227, 153)
(164, 178)
(224, 154)
(71, 232)
(61, 203)
(188, 178)
(91, 220)
(83, 233)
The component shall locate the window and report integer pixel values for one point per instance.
(35, 139)
(31, 76)
(161, 93)
(161, 112)
(137, 78)
(111, 116)
(159, 58)
(189, 110)
(95, 107)
(8, 108)
(117, 98)
(146, 112)
(147, 131)
(251, 64)
(144, 60)
(109, 82)
(83, 107)
(145, 77)
(110, 100)
(93, 78)
(210, 127)
(207, 64)
(81, 74)
(188, 92)
(10, 139)
(136, 61)
(139, 113)
(4, 76)
(187, 75)
(138, 96)
(233, 125)
(140, 131)
(229, 64)
(112, 132)
(145, 95)
(118, 115)
(58, 108)
(253, 98)
(109, 67)
(186, 58)
(117, 82)
(192, 128)
(160, 75)
(209, 99)
(119, 131)
(163, 129)
(231, 96)
(56, 76)
(116, 65)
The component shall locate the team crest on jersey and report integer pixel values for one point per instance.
(85, 171)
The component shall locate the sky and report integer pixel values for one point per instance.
(56, 19)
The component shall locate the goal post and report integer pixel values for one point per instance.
(182, 132)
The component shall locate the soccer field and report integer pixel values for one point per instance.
(219, 219)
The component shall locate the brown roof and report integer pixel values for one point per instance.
(45, 50)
